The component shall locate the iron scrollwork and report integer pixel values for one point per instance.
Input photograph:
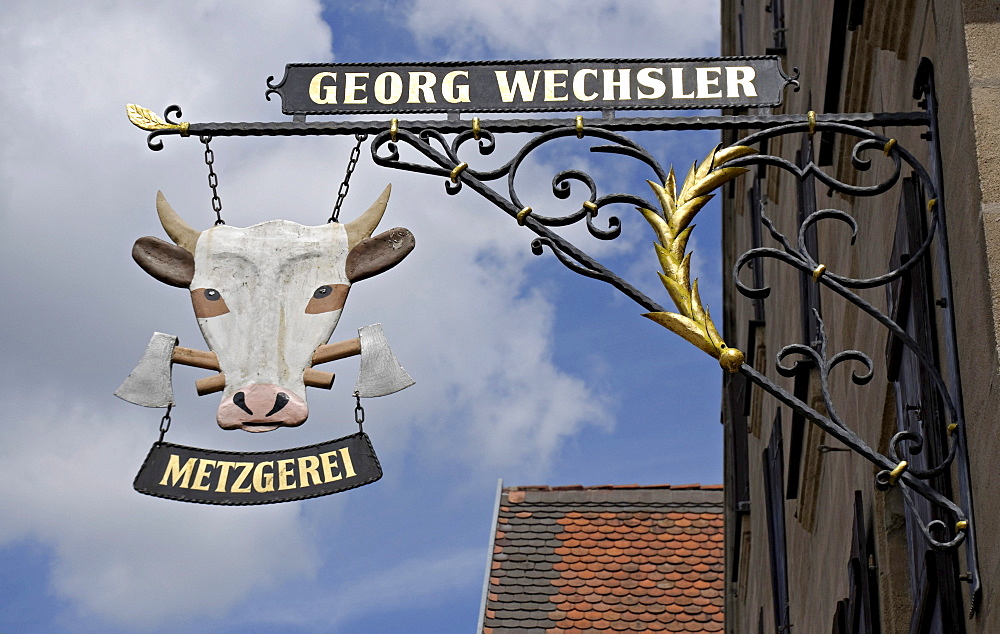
(443, 161)
(721, 165)
(894, 468)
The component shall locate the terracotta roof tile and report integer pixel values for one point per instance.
(607, 559)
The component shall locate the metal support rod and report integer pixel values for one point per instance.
(450, 126)
(924, 87)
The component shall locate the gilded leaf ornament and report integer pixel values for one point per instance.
(672, 224)
(148, 120)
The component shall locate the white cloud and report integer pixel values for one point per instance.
(76, 189)
(125, 558)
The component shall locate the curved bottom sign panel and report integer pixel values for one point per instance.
(190, 474)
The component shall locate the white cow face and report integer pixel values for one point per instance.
(266, 297)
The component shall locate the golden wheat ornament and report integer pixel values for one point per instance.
(672, 225)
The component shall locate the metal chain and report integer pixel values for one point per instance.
(213, 180)
(359, 414)
(346, 184)
(165, 422)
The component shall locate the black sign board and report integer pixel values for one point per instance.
(531, 86)
(190, 474)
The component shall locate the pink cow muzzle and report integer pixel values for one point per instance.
(262, 407)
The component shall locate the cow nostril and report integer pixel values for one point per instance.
(279, 402)
(240, 400)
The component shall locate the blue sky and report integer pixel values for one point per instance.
(524, 370)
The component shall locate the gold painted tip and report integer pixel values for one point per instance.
(149, 121)
(961, 525)
(731, 359)
(952, 428)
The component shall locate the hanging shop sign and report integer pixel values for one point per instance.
(190, 474)
(267, 299)
(531, 86)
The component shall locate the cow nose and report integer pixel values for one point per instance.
(245, 409)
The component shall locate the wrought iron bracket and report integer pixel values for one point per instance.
(670, 213)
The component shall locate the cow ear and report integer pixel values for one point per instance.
(379, 253)
(166, 262)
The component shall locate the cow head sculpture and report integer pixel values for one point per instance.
(266, 297)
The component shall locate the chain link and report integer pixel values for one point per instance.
(359, 414)
(165, 423)
(346, 184)
(213, 180)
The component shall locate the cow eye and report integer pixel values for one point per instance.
(208, 302)
(327, 298)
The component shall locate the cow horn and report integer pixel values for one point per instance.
(363, 226)
(179, 231)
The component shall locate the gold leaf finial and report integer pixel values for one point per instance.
(672, 225)
(148, 120)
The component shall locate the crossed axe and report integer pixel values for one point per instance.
(150, 384)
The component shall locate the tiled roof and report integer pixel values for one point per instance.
(607, 559)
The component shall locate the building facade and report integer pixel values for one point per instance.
(812, 545)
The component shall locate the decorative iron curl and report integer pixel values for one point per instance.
(798, 256)
(561, 183)
(443, 159)
(154, 143)
(824, 365)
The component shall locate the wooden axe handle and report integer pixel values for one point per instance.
(312, 378)
(196, 358)
(339, 350)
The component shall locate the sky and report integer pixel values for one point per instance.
(525, 371)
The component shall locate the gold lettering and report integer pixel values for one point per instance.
(263, 482)
(622, 84)
(176, 472)
(737, 76)
(308, 474)
(448, 87)
(224, 467)
(421, 83)
(202, 473)
(520, 85)
(551, 84)
(645, 78)
(677, 80)
(329, 465)
(285, 474)
(351, 87)
(580, 84)
(241, 478)
(323, 93)
(704, 83)
(345, 459)
(395, 90)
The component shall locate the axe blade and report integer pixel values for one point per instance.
(150, 384)
(380, 372)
